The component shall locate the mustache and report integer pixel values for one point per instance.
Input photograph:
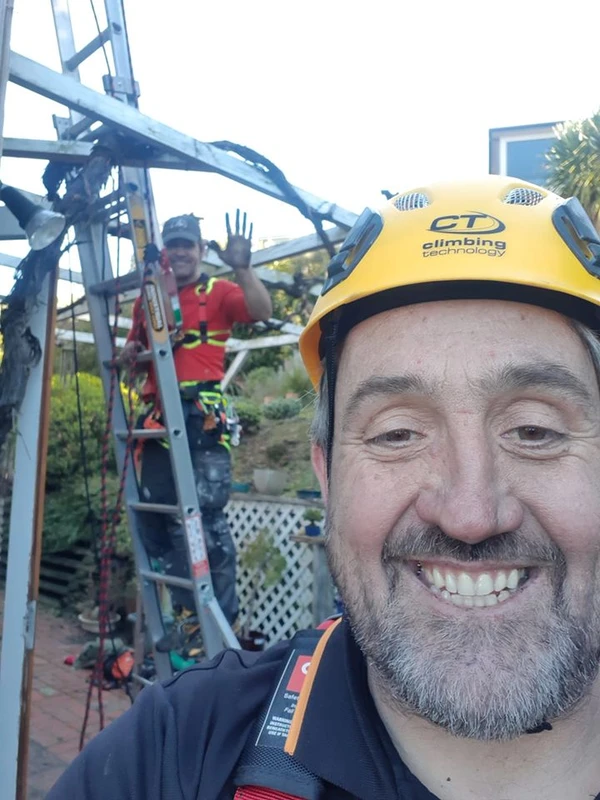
(431, 543)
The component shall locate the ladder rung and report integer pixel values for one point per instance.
(108, 204)
(143, 433)
(73, 131)
(141, 358)
(123, 231)
(170, 580)
(87, 51)
(118, 285)
(155, 508)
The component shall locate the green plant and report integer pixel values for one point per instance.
(282, 408)
(64, 447)
(265, 564)
(259, 376)
(277, 454)
(313, 515)
(249, 413)
(260, 383)
(68, 520)
(573, 162)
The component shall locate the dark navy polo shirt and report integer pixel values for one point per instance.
(182, 739)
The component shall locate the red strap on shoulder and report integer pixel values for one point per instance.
(260, 793)
(327, 623)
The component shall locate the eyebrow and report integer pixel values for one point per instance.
(512, 377)
(544, 374)
(392, 385)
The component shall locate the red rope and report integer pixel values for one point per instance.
(109, 522)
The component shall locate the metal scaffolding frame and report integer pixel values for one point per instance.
(151, 144)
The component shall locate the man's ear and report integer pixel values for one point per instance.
(319, 462)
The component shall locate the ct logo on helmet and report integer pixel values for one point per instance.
(470, 222)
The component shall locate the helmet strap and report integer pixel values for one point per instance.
(331, 372)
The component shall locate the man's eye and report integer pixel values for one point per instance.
(397, 436)
(535, 434)
(531, 433)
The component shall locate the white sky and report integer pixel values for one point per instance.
(346, 98)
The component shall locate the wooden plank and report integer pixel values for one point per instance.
(56, 574)
(53, 588)
(62, 561)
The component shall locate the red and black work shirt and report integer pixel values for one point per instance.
(183, 738)
(220, 304)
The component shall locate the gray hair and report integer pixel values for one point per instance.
(319, 429)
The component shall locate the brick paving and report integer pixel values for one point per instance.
(58, 701)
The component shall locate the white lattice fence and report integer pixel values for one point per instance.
(287, 607)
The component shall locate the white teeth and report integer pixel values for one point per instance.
(500, 582)
(484, 584)
(438, 578)
(513, 579)
(465, 584)
(462, 589)
(470, 601)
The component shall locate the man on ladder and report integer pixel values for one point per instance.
(209, 307)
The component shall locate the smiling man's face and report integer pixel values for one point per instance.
(185, 258)
(464, 511)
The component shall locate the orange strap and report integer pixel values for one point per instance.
(298, 718)
(151, 422)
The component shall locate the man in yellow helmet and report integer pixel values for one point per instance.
(457, 441)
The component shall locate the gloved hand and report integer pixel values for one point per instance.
(239, 245)
(151, 253)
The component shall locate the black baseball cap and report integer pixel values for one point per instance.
(187, 227)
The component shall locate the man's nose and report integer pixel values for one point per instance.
(469, 495)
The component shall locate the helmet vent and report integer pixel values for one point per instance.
(523, 196)
(411, 201)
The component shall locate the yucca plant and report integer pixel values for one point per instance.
(574, 163)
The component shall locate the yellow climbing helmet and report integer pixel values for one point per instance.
(495, 238)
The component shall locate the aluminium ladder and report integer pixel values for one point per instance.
(101, 290)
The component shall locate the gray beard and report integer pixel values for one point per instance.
(477, 677)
